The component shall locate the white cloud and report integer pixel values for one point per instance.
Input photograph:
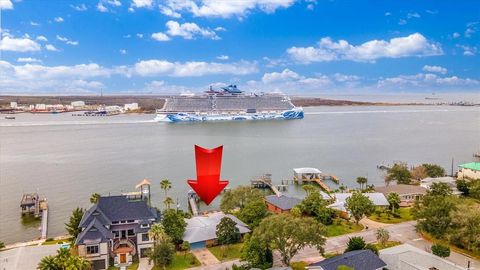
(223, 57)
(433, 12)
(25, 44)
(6, 4)
(456, 35)
(50, 47)
(388, 13)
(436, 69)
(189, 30)
(472, 28)
(160, 36)
(101, 7)
(42, 38)
(142, 3)
(115, 3)
(169, 12)
(225, 9)
(123, 51)
(329, 50)
(286, 74)
(139, 35)
(32, 23)
(81, 7)
(28, 60)
(67, 41)
(426, 81)
(411, 15)
(468, 50)
(219, 28)
(402, 22)
(58, 19)
(192, 69)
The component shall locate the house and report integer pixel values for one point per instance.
(450, 181)
(406, 256)
(201, 230)
(281, 204)
(358, 259)
(407, 193)
(116, 227)
(469, 170)
(131, 106)
(377, 198)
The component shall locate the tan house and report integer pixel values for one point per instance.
(469, 170)
(407, 193)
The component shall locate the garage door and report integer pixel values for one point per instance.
(197, 245)
(98, 264)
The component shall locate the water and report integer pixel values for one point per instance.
(67, 158)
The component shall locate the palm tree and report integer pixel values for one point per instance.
(48, 263)
(168, 201)
(94, 198)
(78, 263)
(166, 185)
(382, 236)
(394, 200)
(309, 189)
(157, 232)
(361, 181)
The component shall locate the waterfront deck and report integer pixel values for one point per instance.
(313, 175)
(192, 202)
(265, 181)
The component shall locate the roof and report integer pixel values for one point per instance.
(377, 198)
(94, 233)
(358, 259)
(117, 208)
(144, 182)
(472, 166)
(283, 202)
(306, 170)
(398, 256)
(431, 180)
(202, 228)
(401, 189)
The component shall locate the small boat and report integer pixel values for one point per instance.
(10, 117)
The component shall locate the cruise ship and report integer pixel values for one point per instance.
(228, 104)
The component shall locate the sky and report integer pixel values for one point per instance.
(299, 47)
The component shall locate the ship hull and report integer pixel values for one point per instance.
(295, 113)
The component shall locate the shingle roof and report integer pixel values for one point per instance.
(283, 202)
(202, 228)
(357, 259)
(118, 208)
(401, 189)
(94, 233)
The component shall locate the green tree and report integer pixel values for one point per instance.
(372, 247)
(433, 170)
(394, 201)
(359, 205)
(94, 198)
(73, 225)
(256, 253)
(355, 243)
(157, 232)
(474, 189)
(344, 267)
(464, 229)
(362, 181)
(382, 236)
(174, 225)
(162, 253)
(463, 186)
(289, 234)
(166, 185)
(48, 263)
(168, 201)
(440, 189)
(253, 212)
(227, 231)
(2, 245)
(400, 173)
(441, 250)
(314, 205)
(63, 260)
(238, 198)
(185, 247)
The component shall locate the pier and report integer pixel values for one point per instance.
(301, 175)
(265, 181)
(192, 202)
(31, 204)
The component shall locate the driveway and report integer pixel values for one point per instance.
(144, 265)
(25, 258)
(205, 257)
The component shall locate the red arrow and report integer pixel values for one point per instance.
(209, 163)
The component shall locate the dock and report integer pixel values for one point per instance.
(31, 204)
(301, 175)
(265, 181)
(44, 228)
(192, 202)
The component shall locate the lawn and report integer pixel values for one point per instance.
(342, 226)
(387, 245)
(232, 252)
(298, 265)
(54, 242)
(180, 262)
(404, 215)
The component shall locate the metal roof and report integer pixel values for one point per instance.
(283, 202)
(358, 259)
(472, 166)
(377, 198)
(307, 170)
(202, 228)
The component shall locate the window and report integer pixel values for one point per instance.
(130, 232)
(92, 249)
(145, 226)
(145, 237)
(130, 221)
(114, 222)
(116, 234)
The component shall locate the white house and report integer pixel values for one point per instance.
(131, 106)
(469, 170)
(377, 198)
(78, 104)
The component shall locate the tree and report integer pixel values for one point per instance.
(174, 225)
(394, 201)
(162, 253)
(185, 247)
(382, 236)
(441, 250)
(359, 205)
(434, 170)
(157, 233)
(2, 245)
(239, 197)
(400, 173)
(166, 185)
(253, 212)
(419, 173)
(372, 247)
(168, 201)
(48, 263)
(464, 228)
(289, 234)
(474, 189)
(362, 181)
(463, 186)
(227, 231)
(63, 260)
(440, 189)
(256, 253)
(314, 205)
(355, 243)
(73, 226)
(94, 198)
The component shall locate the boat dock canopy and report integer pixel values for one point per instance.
(306, 173)
(307, 170)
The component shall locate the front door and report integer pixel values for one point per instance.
(123, 258)
(124, 234)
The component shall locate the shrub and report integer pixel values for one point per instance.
(441, 250)
(355, 243)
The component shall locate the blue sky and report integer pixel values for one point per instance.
(300, 47)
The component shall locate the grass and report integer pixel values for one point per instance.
(54, 242)
(404, 215)
(180, 261)
(434, 240)
(230, 253)
(342, 226)
(298, 265)
(387, 245)
(330, 255)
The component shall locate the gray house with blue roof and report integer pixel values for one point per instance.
(116, 227)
